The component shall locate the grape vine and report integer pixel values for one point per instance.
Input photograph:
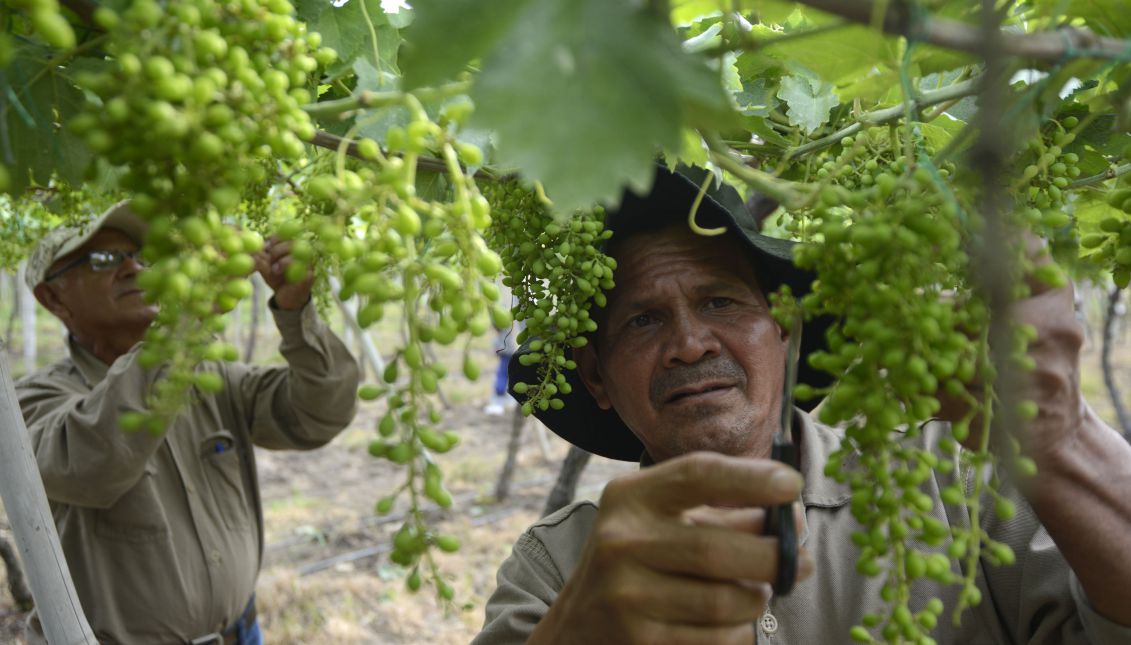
(227, 123)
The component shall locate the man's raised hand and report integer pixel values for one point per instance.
(272, 263)
(677, 556)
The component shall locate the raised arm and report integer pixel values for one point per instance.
(307, 402)
(1082, 492)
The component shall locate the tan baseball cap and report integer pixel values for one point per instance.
(63, 241)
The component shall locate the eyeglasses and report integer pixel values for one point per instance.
(99, 261)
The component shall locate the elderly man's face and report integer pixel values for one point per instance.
(100, 304)
(688, 354)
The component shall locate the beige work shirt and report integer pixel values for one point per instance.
(1036, 601)
(164, 534)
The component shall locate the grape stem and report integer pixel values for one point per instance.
(749, 43)
(947, 94)
(783, 192)
(366, 99)
(1111, 173)
(1052, 46)
(324, 139)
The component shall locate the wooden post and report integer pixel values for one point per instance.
(566, 485)
(503, 486)
(26, 303)
(36, 538)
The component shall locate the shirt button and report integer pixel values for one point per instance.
(215, 556)
(769, 623)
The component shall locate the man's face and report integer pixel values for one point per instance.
(688, 354)
(100, 304)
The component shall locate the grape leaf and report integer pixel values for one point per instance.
(770, 11)
(446, 34)
(686, 12)
(809, 100)
(309, 10)
(840, 54)
(605, 87)
(756, 99)
(34, 105)
(346, 29)
(1107, 17)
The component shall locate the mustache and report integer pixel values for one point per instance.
(718, 368)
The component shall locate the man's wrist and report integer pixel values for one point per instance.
(289, 304)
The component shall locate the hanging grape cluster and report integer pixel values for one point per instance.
(419, 252)
(886, 240)
(1111, 245)
(1046, 172)
(557, 272)
(221, 86)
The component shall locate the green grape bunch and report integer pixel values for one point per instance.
(557, 272)
(1111, 245)
(46, 21)
(220, 85)
(397, 246)
(1047, 170)
(888, 242)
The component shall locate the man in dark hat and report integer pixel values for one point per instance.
(685, 374)
(163, 534)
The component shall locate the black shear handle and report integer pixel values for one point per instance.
(779, 523)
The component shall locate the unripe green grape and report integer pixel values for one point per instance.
(296, 271)
(52, 27)
(447, 543)
(131, 421)
(369, 392)
(208, 381)
(436, 492)
(401, 453)
(1004, 509)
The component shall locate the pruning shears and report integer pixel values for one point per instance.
(779, 519)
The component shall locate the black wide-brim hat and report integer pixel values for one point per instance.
(602, 432)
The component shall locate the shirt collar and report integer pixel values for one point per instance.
(90, 367)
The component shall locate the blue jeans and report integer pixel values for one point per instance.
(251, 635)
(501, 374)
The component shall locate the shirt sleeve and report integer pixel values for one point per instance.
(1099, 629)
(84, 457)
(307, 402)
(528, 582)
(1039, 597)
(532, 577)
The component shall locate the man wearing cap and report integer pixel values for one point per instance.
(164, 534)
(685, 374)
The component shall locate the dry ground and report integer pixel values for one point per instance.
(319, 505)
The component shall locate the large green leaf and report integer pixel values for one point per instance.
(35, 102)
(770, 11)
(685, 12)
(358, 28)
(447, 34)
(839, 54)
(586, 106)
(1107, 17)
